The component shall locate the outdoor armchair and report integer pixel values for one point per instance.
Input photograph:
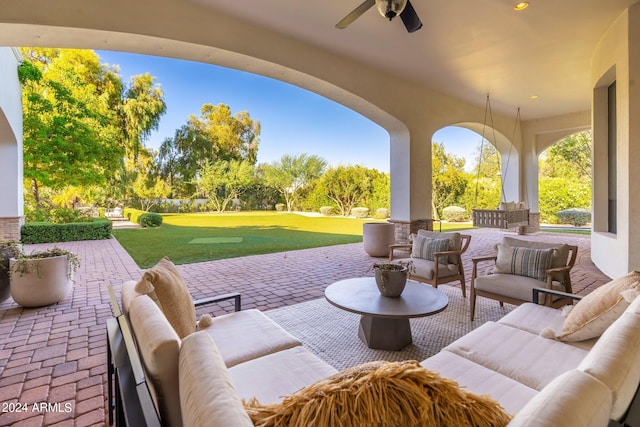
(436, 257)
(520, 266)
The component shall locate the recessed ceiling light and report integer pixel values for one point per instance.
(533, 97)
(521, 6)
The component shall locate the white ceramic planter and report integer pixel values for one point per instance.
(376, 238)
(45, 281)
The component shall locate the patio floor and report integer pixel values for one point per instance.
(57, 354)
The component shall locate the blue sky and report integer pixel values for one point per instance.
(293, 120)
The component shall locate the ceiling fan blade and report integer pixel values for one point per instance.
(410, 18)
(357, 12)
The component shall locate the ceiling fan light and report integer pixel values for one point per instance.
(390, 8)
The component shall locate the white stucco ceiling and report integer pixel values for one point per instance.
(466, 48)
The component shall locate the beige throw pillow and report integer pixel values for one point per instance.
(592, 315)
(164, 285)
(522, 261)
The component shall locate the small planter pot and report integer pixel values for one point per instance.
(391, 283)
(42, 281)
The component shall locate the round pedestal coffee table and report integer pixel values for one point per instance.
(384, 322)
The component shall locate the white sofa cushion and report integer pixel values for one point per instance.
(572, 399)
(270, 377)
(159, 346)
(128, 293)
(615, 361)
(248, 334)
(536, 318)
(207, 395)
(511, 394)
(527, 358)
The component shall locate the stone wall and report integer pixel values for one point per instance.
(404, 228)
(534, 224)
(10, 228)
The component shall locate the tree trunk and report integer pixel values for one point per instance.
(35, 189)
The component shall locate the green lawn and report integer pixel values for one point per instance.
(187, 238)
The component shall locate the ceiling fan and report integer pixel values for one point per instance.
(389, 9)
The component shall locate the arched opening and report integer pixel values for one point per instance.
(565, 181)
(467, 172)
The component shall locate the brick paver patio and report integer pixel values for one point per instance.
(57, 354)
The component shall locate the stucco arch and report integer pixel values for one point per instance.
(12, 206)
(509, 155)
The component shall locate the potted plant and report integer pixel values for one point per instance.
(42, 278)
(8, 250)
(391, 278)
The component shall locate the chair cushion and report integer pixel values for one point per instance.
(382, 393)
(423, 268)
(164, 285)
(572, 399)
(614, 361)
(453, 236)
(597, 311)
(159, 347)
(206, 391)
(522, 261)
(511, 285)
(426, 247)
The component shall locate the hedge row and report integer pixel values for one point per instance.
(144, 218)
(46, 232)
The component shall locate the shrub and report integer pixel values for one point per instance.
(360, 212)
(327, 210)
(46, 232)
(575, 216)
(150, 219)
(381, 213)
(102, 212)
(280, 207)
(454, 214)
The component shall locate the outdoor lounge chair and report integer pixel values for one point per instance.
(520, 266)
(436, 257)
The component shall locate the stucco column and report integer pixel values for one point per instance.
(410, 170)
(11, 196)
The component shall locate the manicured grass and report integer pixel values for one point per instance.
(260, 232)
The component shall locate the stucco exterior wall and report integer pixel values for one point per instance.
(615, 59)
(11, 195)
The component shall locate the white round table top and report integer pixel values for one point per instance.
(361, 296)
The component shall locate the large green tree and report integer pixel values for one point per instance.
(81, 121)
(449, 180)
(292, 173)
(346, 186)
(223, 181)
(484, 190)
(216, 134)
(565, 177)
(67, 138)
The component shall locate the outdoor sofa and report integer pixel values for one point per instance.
(541, 367)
